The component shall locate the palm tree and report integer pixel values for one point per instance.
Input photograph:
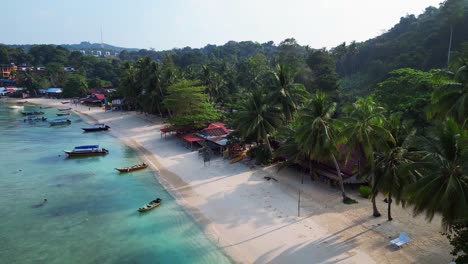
(392, 169)
(287, 94)
(443, 185)
(291, 150)
(316, 135)
(364, 130)
(257, 118)
(451, 98)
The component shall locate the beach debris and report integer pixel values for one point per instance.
(270, 178)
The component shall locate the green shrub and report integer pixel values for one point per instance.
(365, 191)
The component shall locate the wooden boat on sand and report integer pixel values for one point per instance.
(88, 150)
(65, 102)
(153, 204)
(133, 168)
(239, 157)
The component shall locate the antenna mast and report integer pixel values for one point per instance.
(102, 43)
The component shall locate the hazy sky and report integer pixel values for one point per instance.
(179, 23)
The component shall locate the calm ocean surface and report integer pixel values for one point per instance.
(90, 216)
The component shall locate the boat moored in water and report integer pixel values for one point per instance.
(87, 150)
(59, 121)
(151, 205)
(133, 168)
(96, 127)
(35, 118)
(63, 114)
(32, 112)
(64, 109)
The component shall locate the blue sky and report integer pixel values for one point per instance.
(179, 23)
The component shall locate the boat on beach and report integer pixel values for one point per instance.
(96, 127)
(65, 102)
(21, 103)
(59, 121)
(87, 150)
(63, 114)
(64, 109)
(133, 168)
(151, 205)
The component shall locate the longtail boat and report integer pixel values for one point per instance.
(35, 118)
(21, 103)
(59, 121)
(65, 102)
(151, 205)
(32, 112)
(64, 109)
(63, 114)
(133, 168)
(88, 150)
(96, 127)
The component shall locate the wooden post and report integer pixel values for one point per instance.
(299, 205)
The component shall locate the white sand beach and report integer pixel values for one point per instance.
(256, 221)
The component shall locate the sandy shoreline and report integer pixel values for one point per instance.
(255, 221)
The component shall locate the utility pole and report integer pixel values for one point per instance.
(299, 205)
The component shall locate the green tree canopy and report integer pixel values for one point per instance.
(75, 86)
(189, 104)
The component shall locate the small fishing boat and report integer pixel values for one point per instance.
(96, 127)
(64, 109)
(63, 114)
(32, 112)
(16, 106)
(88, 150)
(133, 168)
(21, 103)
(153, 204)
(35, 118)
(59, 121)
(65, 102)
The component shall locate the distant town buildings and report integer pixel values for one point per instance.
(100, 53)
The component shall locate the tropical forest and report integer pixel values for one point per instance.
(399, 99)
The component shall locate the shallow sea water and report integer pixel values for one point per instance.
(90, 216)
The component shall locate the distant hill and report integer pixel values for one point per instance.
(85, 45)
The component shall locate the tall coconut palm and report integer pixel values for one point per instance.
(287, 94)
(392, 170)
(451, 98)
(291, 150)
(443, 185)
(364, 129)
(316, 134)
(257, 118)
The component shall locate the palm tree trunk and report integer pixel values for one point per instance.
(450, 46)
(376, 212)
(340, 178)
(310, 170)
(389, 207)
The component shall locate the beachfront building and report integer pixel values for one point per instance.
(52, 92)
(8, 76)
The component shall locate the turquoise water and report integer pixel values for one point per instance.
(90, 216)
